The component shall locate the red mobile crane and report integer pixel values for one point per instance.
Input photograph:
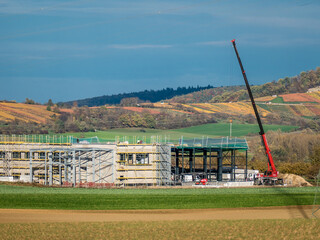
(271, 175)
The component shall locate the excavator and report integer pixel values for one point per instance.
(270, 176)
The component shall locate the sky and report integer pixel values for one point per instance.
(69, 50)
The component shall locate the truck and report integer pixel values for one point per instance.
(270, 176)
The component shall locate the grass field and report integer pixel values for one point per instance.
(210, 130)
(210, 229)
(23, 197)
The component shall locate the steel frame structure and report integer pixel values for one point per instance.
(72, 166)
(214, 159)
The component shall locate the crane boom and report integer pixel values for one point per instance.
(271, 172)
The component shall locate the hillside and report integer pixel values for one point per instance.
(24, 112)
(144, 96)
(275, 105)
(296, 84)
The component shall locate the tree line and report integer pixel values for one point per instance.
(145, 96)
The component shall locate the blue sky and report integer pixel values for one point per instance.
(67, 50)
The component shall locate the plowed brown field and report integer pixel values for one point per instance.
(32, 216)
(299, 97)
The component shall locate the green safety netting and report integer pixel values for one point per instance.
(49, 139)
(234, 143)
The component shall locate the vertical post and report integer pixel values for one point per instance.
(210, 166)
(246, 170)
(182, 153)
(60, 169)
(79, 171)
(219, 170)
(194, 160)
(177, 163)
(205, 162)
(190, 160)
(99, 167)
(234, 165)
(74, 173)
(31, 170)
(66, 166)
(113, 165)
(93, 166)
(45, 169)
(50, 168)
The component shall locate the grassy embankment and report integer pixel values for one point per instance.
(25, 197)
(206, 130)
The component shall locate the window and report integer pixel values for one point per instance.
(27, 155)
(16, 155)
(42, 155)
(122, 157)
(142, 158)
(2, 154)
(130, 158)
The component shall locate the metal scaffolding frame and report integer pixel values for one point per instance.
(143, 164)
(72, 166)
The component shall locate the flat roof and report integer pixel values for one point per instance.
(213, 143)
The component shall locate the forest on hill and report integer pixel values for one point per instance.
(296, 84)
(143, 96)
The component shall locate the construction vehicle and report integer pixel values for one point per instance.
(269, 177)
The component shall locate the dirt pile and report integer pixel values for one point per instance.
(294, 180)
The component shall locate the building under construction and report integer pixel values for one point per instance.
(68, 161)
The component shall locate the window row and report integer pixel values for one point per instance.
(134, 159)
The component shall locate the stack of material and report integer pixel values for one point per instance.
(294, 180)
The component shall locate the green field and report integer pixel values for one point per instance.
(23, 197)
(206, 130)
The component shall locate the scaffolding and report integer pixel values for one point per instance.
(72, 166)
(136, 161)
(15, 152)
(143, 164)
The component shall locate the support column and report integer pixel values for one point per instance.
(210, 166)
(232, 166)
(182, 156)
(45, 169)
(205, 170)
(31, 170)
(219, 170)
(60, 169)
(246, 170)
(50, 168)
(74, 173)
(191, 160)
(93, 166)
(66, 166)
(79, 166)
(177, 162)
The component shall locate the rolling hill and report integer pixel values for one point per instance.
(24, 112)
